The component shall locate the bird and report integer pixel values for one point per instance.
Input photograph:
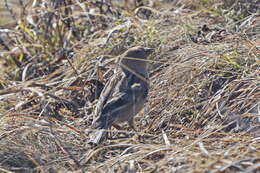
(124, 95)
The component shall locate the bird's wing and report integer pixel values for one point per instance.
(112, 110)
(120, 103)
(129, 89)
(107, 116)
(106, 93)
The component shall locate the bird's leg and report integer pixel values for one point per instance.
(131, 124)
(118, 127)
(109, 133)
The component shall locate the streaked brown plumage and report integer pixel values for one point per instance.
(124, 95)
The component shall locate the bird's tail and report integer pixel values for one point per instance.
(100, 133)
(98, 137)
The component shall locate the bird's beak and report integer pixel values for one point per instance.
(148, 51)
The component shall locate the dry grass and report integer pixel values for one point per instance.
(203, 109)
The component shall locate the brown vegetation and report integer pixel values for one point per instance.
(203, 111)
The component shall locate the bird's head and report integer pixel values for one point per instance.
(135, 59)
(138, 52)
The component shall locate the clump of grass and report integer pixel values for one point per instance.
(202, 114)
